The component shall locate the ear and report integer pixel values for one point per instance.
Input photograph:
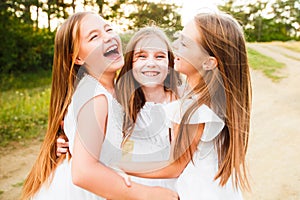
(79, 61)
(210, 64)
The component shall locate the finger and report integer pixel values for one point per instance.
(66, 145)
(127, 181)
(60, 140)
(62, 150)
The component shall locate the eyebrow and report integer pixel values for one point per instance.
(96, 30)
(143, 51)
(90, 33)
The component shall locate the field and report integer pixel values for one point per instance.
(273, 147)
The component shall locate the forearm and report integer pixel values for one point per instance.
(105, 182)
(172, 170)
(90, 174)
(174, 167)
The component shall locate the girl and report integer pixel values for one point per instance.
(87, 112)
(145, 84)
(210, 155)
(224, 79)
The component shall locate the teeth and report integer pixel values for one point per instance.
(114, 47)
(150, 73)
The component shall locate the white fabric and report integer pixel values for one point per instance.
(151, 134)
(197, 180)
(151, 141)
(62, 187)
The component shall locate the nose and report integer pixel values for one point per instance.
(150, 63)
(107, 37)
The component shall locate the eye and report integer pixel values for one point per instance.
(182, 43)
(161, 56)
(141, 56)
(94, 37)
(109, 30)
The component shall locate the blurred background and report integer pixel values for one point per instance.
(27, 30)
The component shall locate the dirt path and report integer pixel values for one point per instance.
(15, 163)
(273, 157)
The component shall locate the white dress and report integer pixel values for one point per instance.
(150, 142)
(62, 187)
(197, 180)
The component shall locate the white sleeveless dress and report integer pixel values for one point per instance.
(150, 142)
(197, 180)
(62, 187)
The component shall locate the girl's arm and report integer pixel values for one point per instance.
(174, 167)
(89, 173)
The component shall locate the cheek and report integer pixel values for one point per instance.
(163, 64)
(184, 67)
(135, 72)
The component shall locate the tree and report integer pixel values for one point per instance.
(260, 25)
(287, 14)
(163, 14)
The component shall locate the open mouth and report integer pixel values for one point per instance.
(112, 51)
(151, 73)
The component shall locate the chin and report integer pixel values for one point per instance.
(115, 67)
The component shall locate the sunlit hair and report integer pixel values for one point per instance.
(129, 91)
(64, 74)
(222, 37)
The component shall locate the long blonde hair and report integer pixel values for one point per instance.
(128, 90)
(64, 74)
(222, 37)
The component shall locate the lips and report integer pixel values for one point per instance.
(150, 73)
(112, 52)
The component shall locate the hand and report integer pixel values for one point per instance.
(126, 178)
(162, 193)
(62, 146)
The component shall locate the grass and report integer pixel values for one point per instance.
(267, 65)
(24, 102)
(19, 184)
(291, 45)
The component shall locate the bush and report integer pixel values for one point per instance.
(24, 49)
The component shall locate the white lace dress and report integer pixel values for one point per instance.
(197, 180)
(62, 187)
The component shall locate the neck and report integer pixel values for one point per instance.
(193, 80)
(107, 79)
(155, 94)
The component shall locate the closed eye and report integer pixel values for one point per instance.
(93, 37)
(182, 43)
(109, 30)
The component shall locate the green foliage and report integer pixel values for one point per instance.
(267, 65)
(125, 37)
(265, 21)
(162, 14)
(24, 107)
(23, 48)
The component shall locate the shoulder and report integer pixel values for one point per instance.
(202, 115)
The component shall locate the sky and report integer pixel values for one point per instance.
(188, 10)
(191, 7)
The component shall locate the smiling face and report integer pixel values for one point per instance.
(100, 46)
(150, 61)
(190, 56)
